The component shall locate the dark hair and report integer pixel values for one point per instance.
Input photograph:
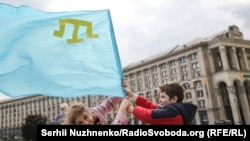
(173, 89)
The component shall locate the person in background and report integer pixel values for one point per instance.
(59, 118)
(170, 111)
(79, 114)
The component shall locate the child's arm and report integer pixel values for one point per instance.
(121, 117)
(107, 105)
(140, 100)
(130, 94)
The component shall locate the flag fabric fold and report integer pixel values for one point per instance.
(58, 54)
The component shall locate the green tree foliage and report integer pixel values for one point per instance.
(29, 127)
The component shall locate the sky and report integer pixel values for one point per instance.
(144, 28)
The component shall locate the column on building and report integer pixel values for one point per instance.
(50, 115)
(33, 106)
(12, 107)
(223, 55)
(7, 117)
(19, 115)
(1, 119)
(3, 113)
(244, 104)
(143, 79)
(136, 80)
(244, 59)
(131, 81)
(30, 107)
(235, 59)
(41, 106)
(159, 71)
(26, 103)
(159, 79)
(23, 110)
(56, 108)
(44, 106)
(189, 65)
(178, 68)
(58, 103)
(211, 60)
(7, 112)
(150, 79)
(218, 102)
(234, 104)
(36, 106)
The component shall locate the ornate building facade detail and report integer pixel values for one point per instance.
(223, 60)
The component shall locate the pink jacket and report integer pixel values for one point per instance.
(106, 106)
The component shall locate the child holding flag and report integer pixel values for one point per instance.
(171, 111)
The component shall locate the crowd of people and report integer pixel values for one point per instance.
(170, 111)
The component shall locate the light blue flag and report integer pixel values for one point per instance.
(59, 54)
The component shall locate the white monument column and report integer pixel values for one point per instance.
(211, 60)
(244, 59)
(244, 104)
(235, 59)
(234, 104)
(223, 55)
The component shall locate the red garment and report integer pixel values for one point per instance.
(172, 114)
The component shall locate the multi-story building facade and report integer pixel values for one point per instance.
(13, 111)
(215, 71)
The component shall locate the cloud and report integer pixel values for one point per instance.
(2, 96)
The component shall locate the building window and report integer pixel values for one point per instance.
(149, 96)
(175, 79)
(147, 79)
(172, 62)
(164, 74)
(188, 95)
(163, 65)
(203, 117)
(155, 76)
(154, 68)
(131, 75)
(185, 77)
(174, 71)
(156, 95)
(186, 86)
(139, 80)
(197, 84)
(193, 56)
(184, 68)
(140, 88)
(196, 74)
(200, 94)
(146, 71)
(165, 81)
(195, 65)
(148, 86)
(132, 82)
(201, 103)
(132, 89)
(183, 59)
(136, 122)
(138, 73)
(156, 84)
